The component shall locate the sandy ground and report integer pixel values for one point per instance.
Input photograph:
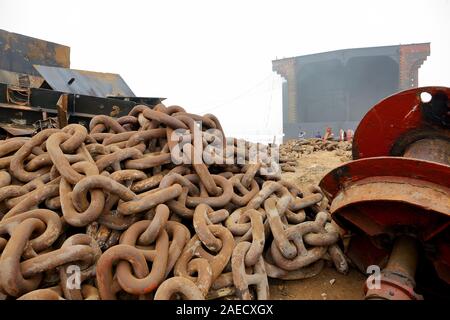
(311, 168)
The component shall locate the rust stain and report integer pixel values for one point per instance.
(62, 56)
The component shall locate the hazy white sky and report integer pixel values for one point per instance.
(215, 56)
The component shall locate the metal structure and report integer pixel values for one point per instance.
(89, 83)
(335, 89)
(38, 91)
(395, 197)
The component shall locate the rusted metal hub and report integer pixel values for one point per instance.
(399, 185)
(377, 197)
(408, 123)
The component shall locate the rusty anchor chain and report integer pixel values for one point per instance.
(109, 213)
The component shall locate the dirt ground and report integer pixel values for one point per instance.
(329, 284)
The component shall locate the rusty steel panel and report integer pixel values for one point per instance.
(20, 79)
(18, 53)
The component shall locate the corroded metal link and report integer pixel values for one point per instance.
(250, 173)
(88, 293)
(242, 280)
(295, 217)
(180, 235)
(87, 271)
(8, 192)
(147, 201)
(203, 269)
(138, 285)
(41, 294)
(269, 188)
(147, 183)
(30, 187)
(173, 178)
(51, 260)
(293, 189)
(326, 237)
(92, 210)
(213, 201)
(219, 261)
(78, 134)
(218, 126)
(187, 265)
(119, 137)
(233, 223)
(120, 252)
(258, 238)
(11, 145)
(163, 118)
(196, 150)
(100, 182)
(96, 149)
(338, 258)
(17, 161)
(12, 280)
(45, 160)
(5, 179)
(307, 201)
(278, 231)
(160, 117)
(99, 136)
(45, 239)
(128, 120)
(33, 199)
(143, 137)
(179, 205)
(205, 121)
(3, 242)
(101, 122)
(130, 175)
(304, 256)
(57, 156)
(181, 286)
(149, 161)
(309, 271)
(201, 222)
(173, 109)
(247, 195)
(116, 157)
(158, 223)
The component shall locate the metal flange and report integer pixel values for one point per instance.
(398, 121)
(385, 197)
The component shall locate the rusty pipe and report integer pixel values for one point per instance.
(396, 281)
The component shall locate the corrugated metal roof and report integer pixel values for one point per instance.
(88, 83)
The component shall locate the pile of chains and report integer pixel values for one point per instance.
(107, 214)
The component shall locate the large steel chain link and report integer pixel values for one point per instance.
(112, 213)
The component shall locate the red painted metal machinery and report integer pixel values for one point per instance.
(394, 198)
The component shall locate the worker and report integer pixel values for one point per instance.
(341, 135)
(349, 136)
(328, 134)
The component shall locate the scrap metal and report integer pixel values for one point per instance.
(395, 197)
(109, 201)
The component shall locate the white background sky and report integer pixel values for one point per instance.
(215, 56)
